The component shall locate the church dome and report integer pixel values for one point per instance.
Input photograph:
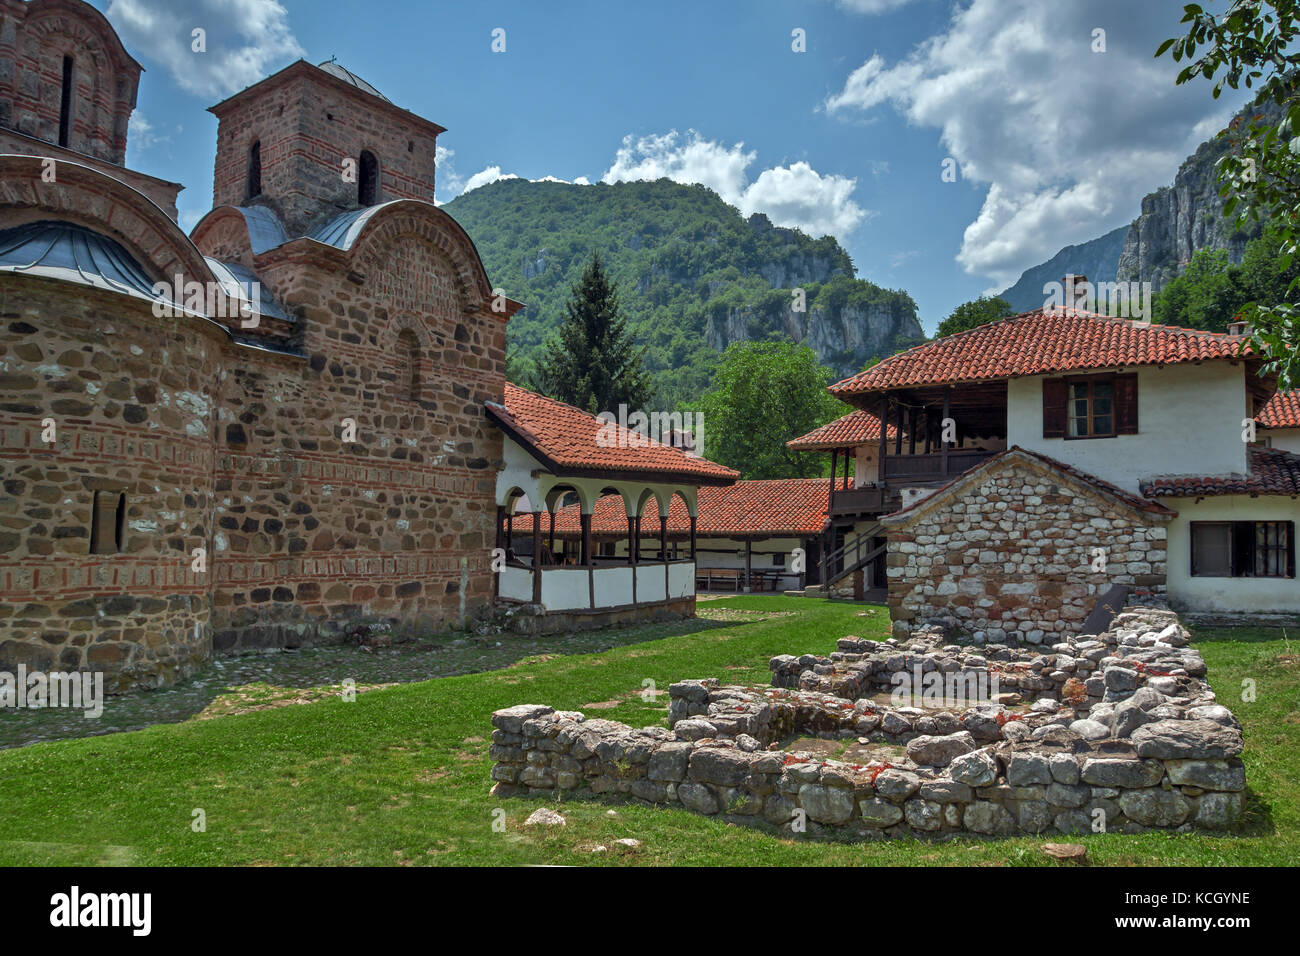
(347, 76)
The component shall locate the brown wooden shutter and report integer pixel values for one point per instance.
(1126, 404)
(1054, 399)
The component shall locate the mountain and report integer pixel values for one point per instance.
(693, 274)
(1095, 259)
(1175, 221)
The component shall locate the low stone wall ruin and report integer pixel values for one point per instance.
(1118, 732)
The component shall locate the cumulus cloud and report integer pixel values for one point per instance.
(795, 195)
(484, 176)
(142, 134)
(872, 6)
(1066, 139)
(245, 40)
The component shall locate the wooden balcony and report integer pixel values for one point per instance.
(856, 501)
(932, 467)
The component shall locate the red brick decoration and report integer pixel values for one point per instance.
(855, 428)
(1038, 342)
(333, 467)
(1012, 548)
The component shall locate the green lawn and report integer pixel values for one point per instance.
(400, 775)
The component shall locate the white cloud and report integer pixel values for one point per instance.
(795, 195)
(142, 134)
(1067, 140)
(872, 6)
(245, 40)
(484, 176)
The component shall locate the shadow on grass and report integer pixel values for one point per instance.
(284, 677)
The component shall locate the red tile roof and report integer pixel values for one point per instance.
(788, 506)
(1272, 472)
(1038, 342)
(1282, 411)
(568, 441)
(855, 428)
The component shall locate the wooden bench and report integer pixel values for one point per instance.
(705, 578)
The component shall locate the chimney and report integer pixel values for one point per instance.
(1239, 327)
(1076, 291)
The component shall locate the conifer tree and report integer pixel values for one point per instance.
(594, 363)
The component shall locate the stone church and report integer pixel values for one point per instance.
(290, 442)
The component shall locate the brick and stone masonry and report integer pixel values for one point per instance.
(1020, 548)
(189, 432)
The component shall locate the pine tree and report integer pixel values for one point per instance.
(594, 363)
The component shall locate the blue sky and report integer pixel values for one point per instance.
(1054, 141)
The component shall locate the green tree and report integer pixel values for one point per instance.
(972, 314)
(594, 364)
(763, 395)
(1211, 292)
(1253, 43)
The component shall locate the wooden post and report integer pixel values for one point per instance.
(510, 530)
(911, 431)
(884, 435)
(496, 575)
(693, 520)
(551, 544)
(898, 433)
(631, 540)
(586, 540)
(749, 579)
(830, 497)
(537, 557)
(947, 407)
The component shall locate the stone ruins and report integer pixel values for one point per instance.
(1113, 732)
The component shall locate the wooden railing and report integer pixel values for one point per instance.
(932, 467)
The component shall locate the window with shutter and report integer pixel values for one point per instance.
(1054, 398)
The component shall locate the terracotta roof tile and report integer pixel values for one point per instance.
(789, 506)
(569, 441)
(1282, 411)
(1272, 472)
(855, 428)
(1039, 342)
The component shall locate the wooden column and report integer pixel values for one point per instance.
(898, 430)
(947, 407)
(510, 530)
(830, 497)
(496, 575)
(911, 431)
(587, 561)
(693, 520)
(631, 540)
(884, 435)
(537, 556)
(749, 573)
(551, 543)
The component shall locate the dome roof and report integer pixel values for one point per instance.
(347, 76)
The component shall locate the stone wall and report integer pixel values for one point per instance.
(1155, 751)
(240, 451)
(1012, 552)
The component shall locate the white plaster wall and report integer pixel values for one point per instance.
(565, 589)
(1189, 423)
(516, 584)
(681, 580)
(1286, 439)
(1189, 593)
(866, 465)
(614, 586)
(651, 584)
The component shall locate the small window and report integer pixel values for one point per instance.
(1243, 549)
(65, 103)
(368, 179)
(778, 560)
(255, 169)
(1092, 409)
(107, 522)
(408, 366)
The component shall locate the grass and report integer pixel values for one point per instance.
(400, 775)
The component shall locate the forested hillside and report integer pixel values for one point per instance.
(693, 275)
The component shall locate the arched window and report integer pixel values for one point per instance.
(255, 169)
(408, 366)
(368, 179)
(65, 103)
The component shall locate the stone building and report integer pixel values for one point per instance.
(268, 433)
